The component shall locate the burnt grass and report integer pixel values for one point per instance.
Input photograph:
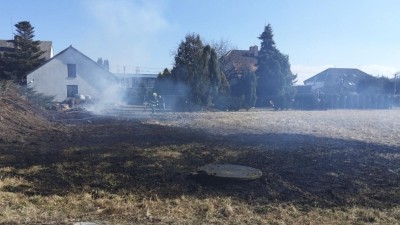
(155, 156)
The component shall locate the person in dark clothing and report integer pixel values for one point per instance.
(154, 103)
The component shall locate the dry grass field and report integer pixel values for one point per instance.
(319, 167)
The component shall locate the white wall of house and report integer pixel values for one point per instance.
(52, 77)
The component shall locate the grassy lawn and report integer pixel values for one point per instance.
(319, 167)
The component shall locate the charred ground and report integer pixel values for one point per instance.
(327, 166)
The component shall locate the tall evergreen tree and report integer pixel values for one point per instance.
(245, 87)
(249, 88)
(213, 77)
(26, 54)
(164, 84)
(196, 72)
(275, 79)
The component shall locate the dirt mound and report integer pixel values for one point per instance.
(19, 119)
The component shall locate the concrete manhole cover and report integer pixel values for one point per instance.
(228, 172)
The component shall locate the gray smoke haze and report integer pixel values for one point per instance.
(125, 32)
(112, 97)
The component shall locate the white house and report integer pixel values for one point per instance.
(69, 73)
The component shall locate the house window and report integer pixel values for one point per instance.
(72, 90)
(71, 70)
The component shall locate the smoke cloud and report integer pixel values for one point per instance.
(125, 32)
(111, 97)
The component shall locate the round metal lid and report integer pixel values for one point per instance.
(230, 171)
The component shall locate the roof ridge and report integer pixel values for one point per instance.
(74, 49)
(328, 72)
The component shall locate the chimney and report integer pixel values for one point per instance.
(253, 50)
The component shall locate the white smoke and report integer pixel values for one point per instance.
(112, 97)
(124, 31)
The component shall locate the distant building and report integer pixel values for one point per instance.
(336, 80)
(134, 80)
(71, 73)
(136, 86)
(236, 61)
(46, 46)
(338, 88)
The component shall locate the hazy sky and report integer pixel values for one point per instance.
(316, 34)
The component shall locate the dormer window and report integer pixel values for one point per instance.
(71, 70)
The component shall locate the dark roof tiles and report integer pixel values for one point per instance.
(335, 74)
(238, 60)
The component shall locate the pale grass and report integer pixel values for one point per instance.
(33, 169)
(13, 182)
(374, 126)
(6, 169)
(183, 210)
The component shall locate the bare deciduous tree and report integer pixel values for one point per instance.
(222, 46)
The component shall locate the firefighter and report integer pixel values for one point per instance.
(154, 103)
